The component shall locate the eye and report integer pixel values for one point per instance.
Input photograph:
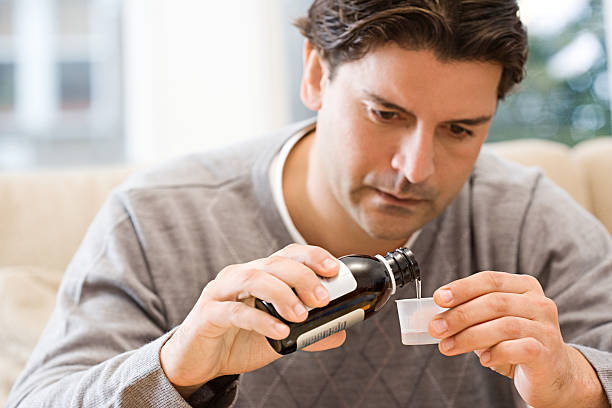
(459, 132)
(382, 115)
(385, 115)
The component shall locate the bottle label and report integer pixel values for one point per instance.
(341, 284)
(329, 328)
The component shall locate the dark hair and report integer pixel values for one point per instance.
(483, 30)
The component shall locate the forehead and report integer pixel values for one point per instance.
(418, 77)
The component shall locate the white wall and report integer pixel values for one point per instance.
(200, 74)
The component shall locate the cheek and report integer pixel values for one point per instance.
(454, 166)
(362, 150)
(351, 160)
(346, 161)
(354, 146)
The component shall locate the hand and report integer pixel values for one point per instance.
(224, 334)
(508, 321)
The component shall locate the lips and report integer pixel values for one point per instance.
(399, 197)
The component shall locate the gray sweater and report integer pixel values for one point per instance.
(163, 235)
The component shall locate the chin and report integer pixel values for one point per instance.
(387, 236)
(393, 224)
(389, 229)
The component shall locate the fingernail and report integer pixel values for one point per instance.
(447, 344)
(485, 357)
(330, 264)
(321, 293)
(439, 325)
(445, 295)
(299, 309)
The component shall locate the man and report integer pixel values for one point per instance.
(405, 92)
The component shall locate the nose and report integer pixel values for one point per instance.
(414, 158)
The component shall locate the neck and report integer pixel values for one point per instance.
(317, 215)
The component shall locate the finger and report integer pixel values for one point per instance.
(238, 282)
(488, 334)
(463, 290)
(505, 369)
(501, 369)
(316, 258)
(489, 307)
(511, 352)
(221, 316)
(333, 341)
(297, 275)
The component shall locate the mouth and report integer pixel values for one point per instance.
(401, 200)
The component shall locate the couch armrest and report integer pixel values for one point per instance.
(27, 297)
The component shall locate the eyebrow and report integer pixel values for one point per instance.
(479, 120)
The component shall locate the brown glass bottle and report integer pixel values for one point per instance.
(363, 286)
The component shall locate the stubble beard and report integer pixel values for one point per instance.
(389, 223)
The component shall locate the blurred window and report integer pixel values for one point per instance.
(73, 17)
(7, 66)
(565, 95)
(60, 83)
(6, 17)
(7, 86)
(75, 84)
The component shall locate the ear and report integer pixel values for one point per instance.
(315, 73)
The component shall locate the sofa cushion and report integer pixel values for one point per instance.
(27, 297)
(595, 157)
(44, 214)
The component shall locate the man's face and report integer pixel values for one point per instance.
(397, 136)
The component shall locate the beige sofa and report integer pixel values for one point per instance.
(44, 215)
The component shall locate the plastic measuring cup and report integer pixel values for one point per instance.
(414, 316)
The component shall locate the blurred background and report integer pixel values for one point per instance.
(97, 82)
